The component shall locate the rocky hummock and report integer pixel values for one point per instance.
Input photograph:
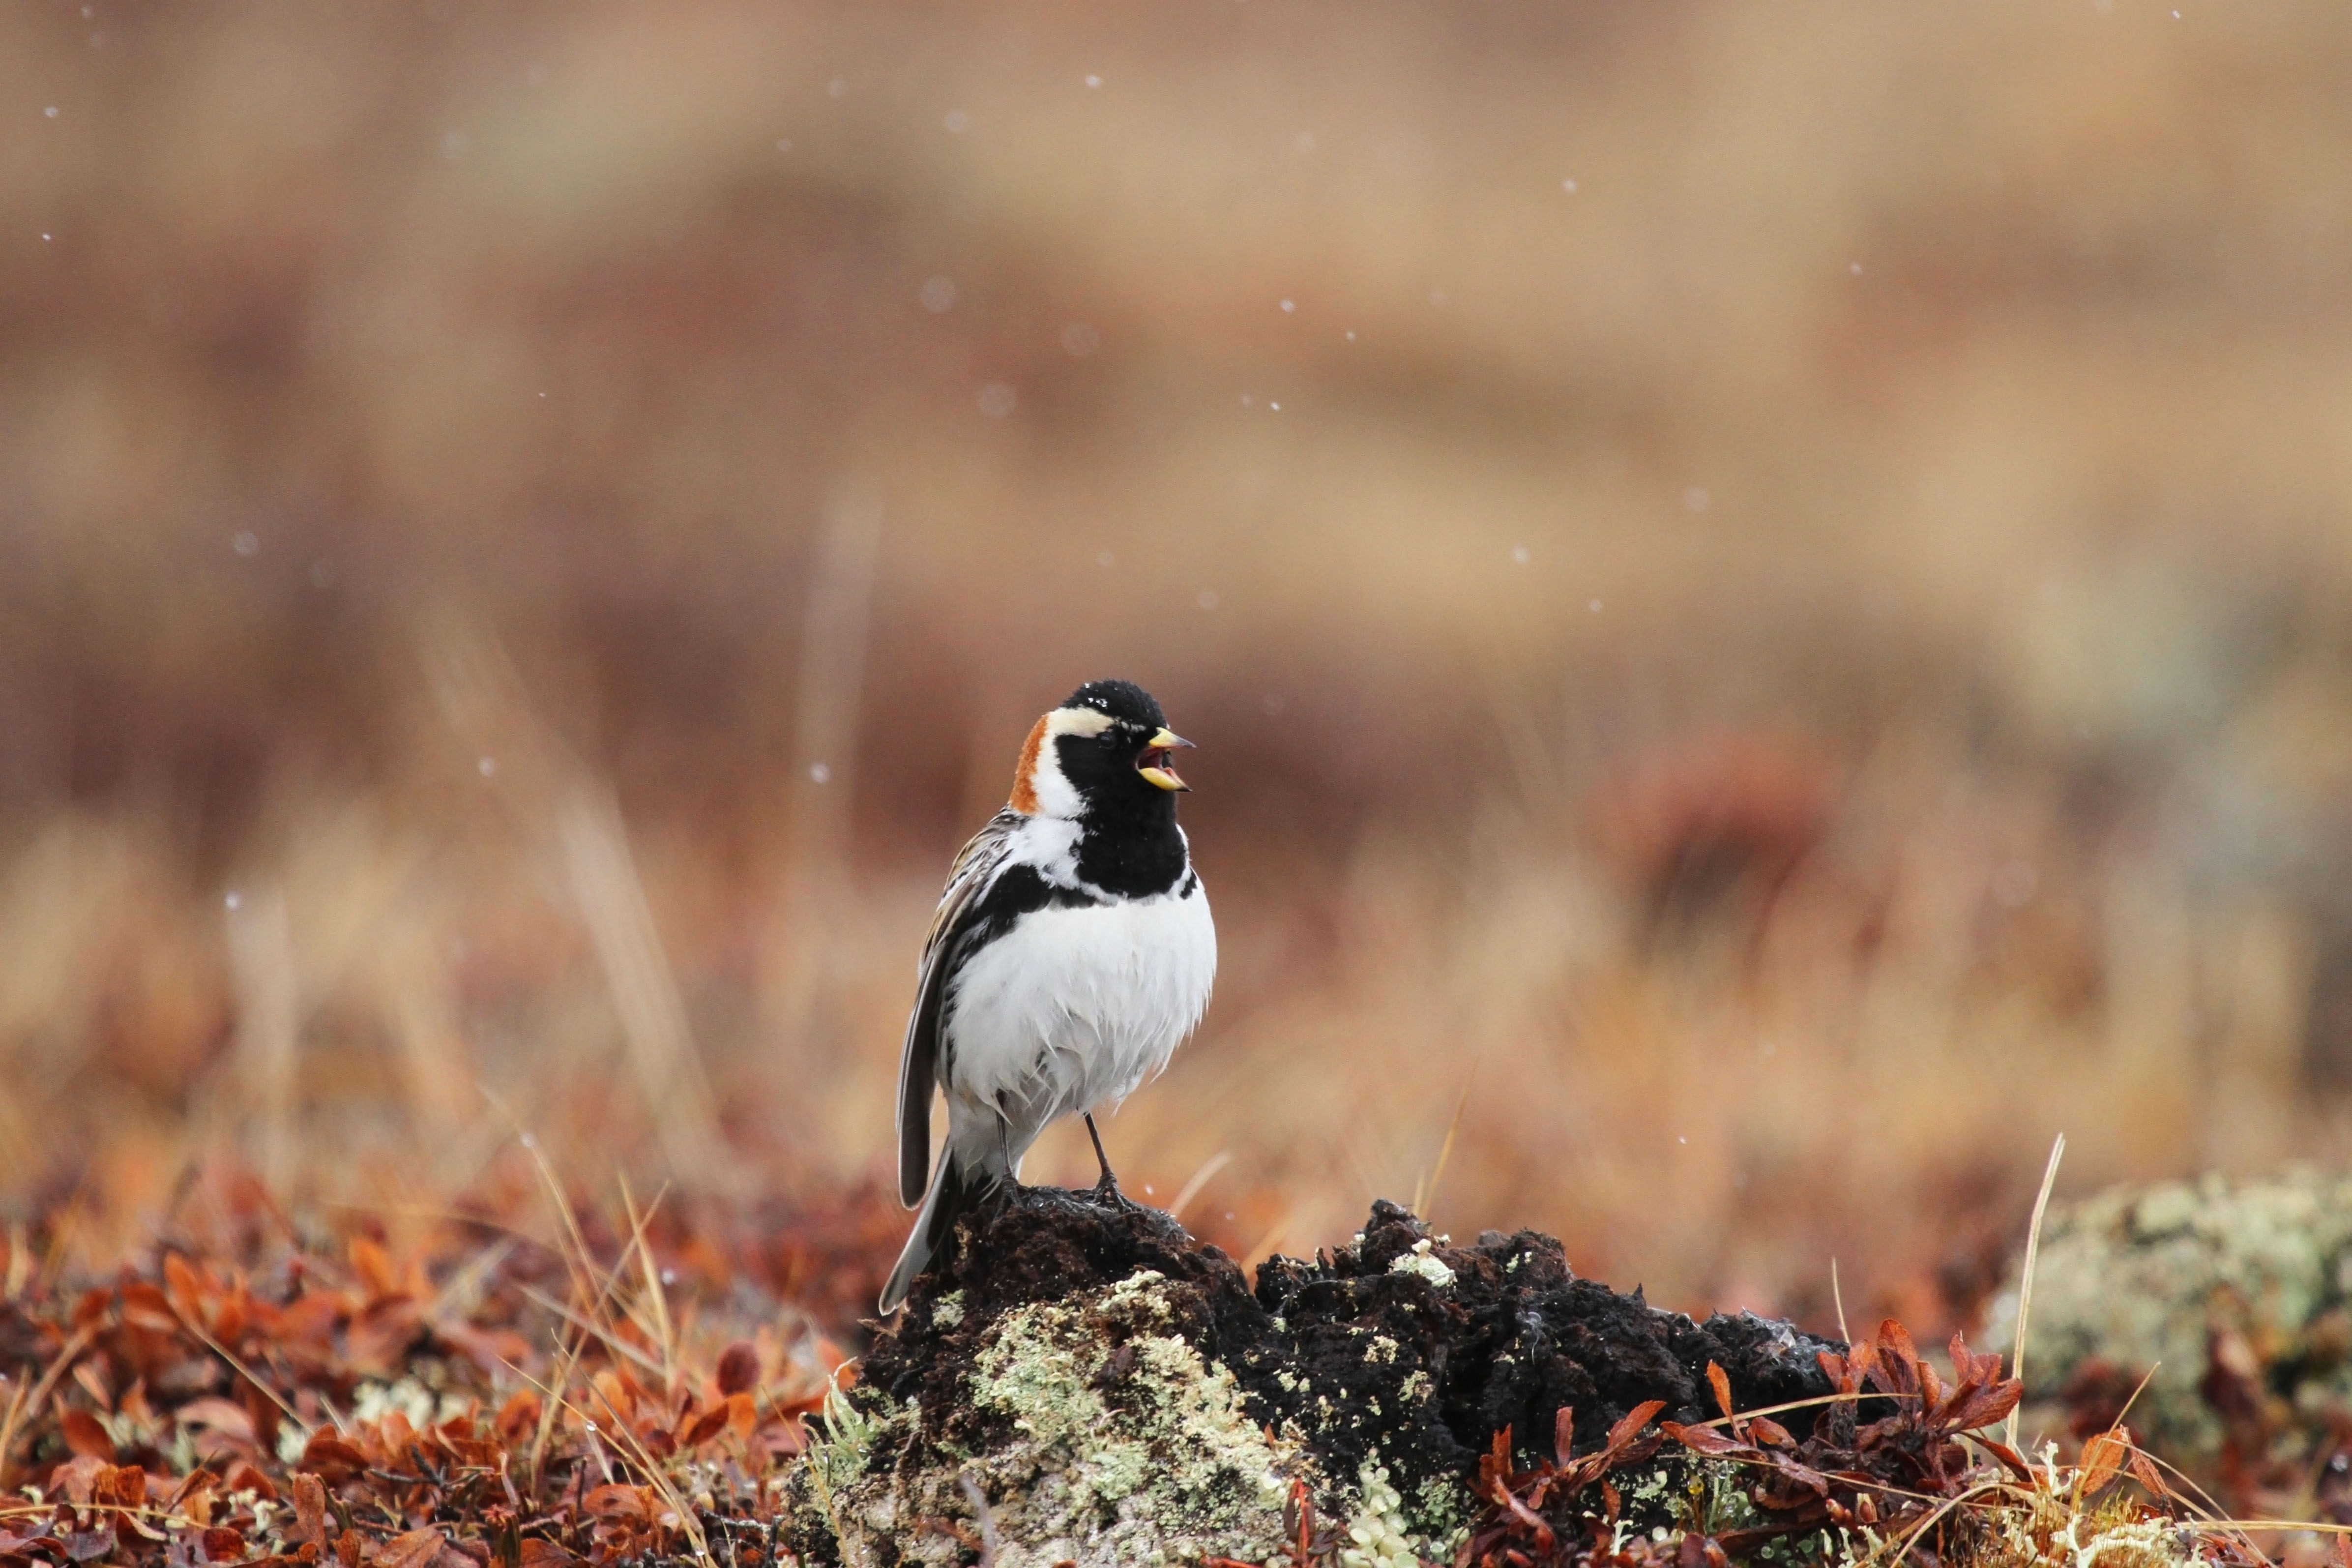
(1084, 1383)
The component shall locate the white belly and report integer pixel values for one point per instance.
(1073, 1007)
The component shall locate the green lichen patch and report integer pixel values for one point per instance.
(1123, 1446)
(2171, 1276)
(1112, 1390)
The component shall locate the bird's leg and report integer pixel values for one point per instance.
(1107, 1188)
(1011, 1184)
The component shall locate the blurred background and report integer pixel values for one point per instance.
(1763, 594)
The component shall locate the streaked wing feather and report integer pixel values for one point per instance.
(976, 866)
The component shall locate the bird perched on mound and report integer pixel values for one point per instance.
(1072, 951)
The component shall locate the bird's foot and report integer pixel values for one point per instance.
(1105, 1194)
(1105, 1190)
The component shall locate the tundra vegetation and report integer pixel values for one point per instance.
(1085, 1384)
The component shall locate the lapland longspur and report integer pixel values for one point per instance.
(1072, 952)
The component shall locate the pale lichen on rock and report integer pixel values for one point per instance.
(1119, 1444)
(2142, 1278)
(1421, 1261)
(1084, 1384)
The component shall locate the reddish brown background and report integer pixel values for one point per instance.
(1775, 680)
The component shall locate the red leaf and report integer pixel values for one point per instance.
(76, 1476)
(85, 1434)
(1627, 1429)
(711, 1423)
(1703, 1439)
(610, 1502)
(181, 1284)
(2145, 1472)
(1563, 1435)
(414, 1550)
(1985, 1405)
(2014, 1462)
(1533, 1521)
(310, 1508)
(739, 1368)
(2103, 1459)
(1970, 1368)
(120, 1487)
(331, 1459)
(243, 1476)
(1770, 1433)
(370, 1262)
(1720, 1382)
(222, 1415)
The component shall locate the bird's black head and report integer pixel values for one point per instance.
(1103, 754)
(1123, 701)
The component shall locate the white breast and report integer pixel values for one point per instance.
(1073, 1007)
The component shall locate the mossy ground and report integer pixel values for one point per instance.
(1084, 1386)
(1117, 1444)
(2232, 1299)
(1115, 1394)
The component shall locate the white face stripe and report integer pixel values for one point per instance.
(1056, 795)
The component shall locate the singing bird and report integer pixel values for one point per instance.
(1072, 952)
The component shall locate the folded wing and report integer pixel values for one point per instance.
(976, 866)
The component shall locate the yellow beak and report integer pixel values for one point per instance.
(1165, 740)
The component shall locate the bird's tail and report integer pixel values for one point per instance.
(957, 1188)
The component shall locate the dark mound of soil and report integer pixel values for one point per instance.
(1398, 1346)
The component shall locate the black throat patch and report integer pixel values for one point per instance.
(1128, 843)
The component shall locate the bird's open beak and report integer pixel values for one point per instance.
(1155, 756)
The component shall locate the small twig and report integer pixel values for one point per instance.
(1837, 1295)
(2025, 1279)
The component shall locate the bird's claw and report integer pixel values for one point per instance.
(1106, 1194)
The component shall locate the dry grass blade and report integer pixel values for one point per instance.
(268, 991)
(1199, 1179)
(593, 1329)
(654, 1027)
(205, 1336)
(656, 1298)
(656, 1475)
(8, 1421)
(67, 1354)
(1425, 1196)
(1942, 1510)
(1814, 1404)
(2025, 1276)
